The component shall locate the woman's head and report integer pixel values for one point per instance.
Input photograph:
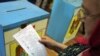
(91, 10)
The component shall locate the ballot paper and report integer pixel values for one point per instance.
(29, 41)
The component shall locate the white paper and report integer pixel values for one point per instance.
(29, 40)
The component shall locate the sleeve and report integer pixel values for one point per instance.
(73, 50)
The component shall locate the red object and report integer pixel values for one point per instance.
(81, 40)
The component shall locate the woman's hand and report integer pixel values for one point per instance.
(52, 44)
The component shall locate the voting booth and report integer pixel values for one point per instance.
(2, 44)
(62, 26)
(15, 15)
(64, 22)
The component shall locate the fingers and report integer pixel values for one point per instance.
(43, 40)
